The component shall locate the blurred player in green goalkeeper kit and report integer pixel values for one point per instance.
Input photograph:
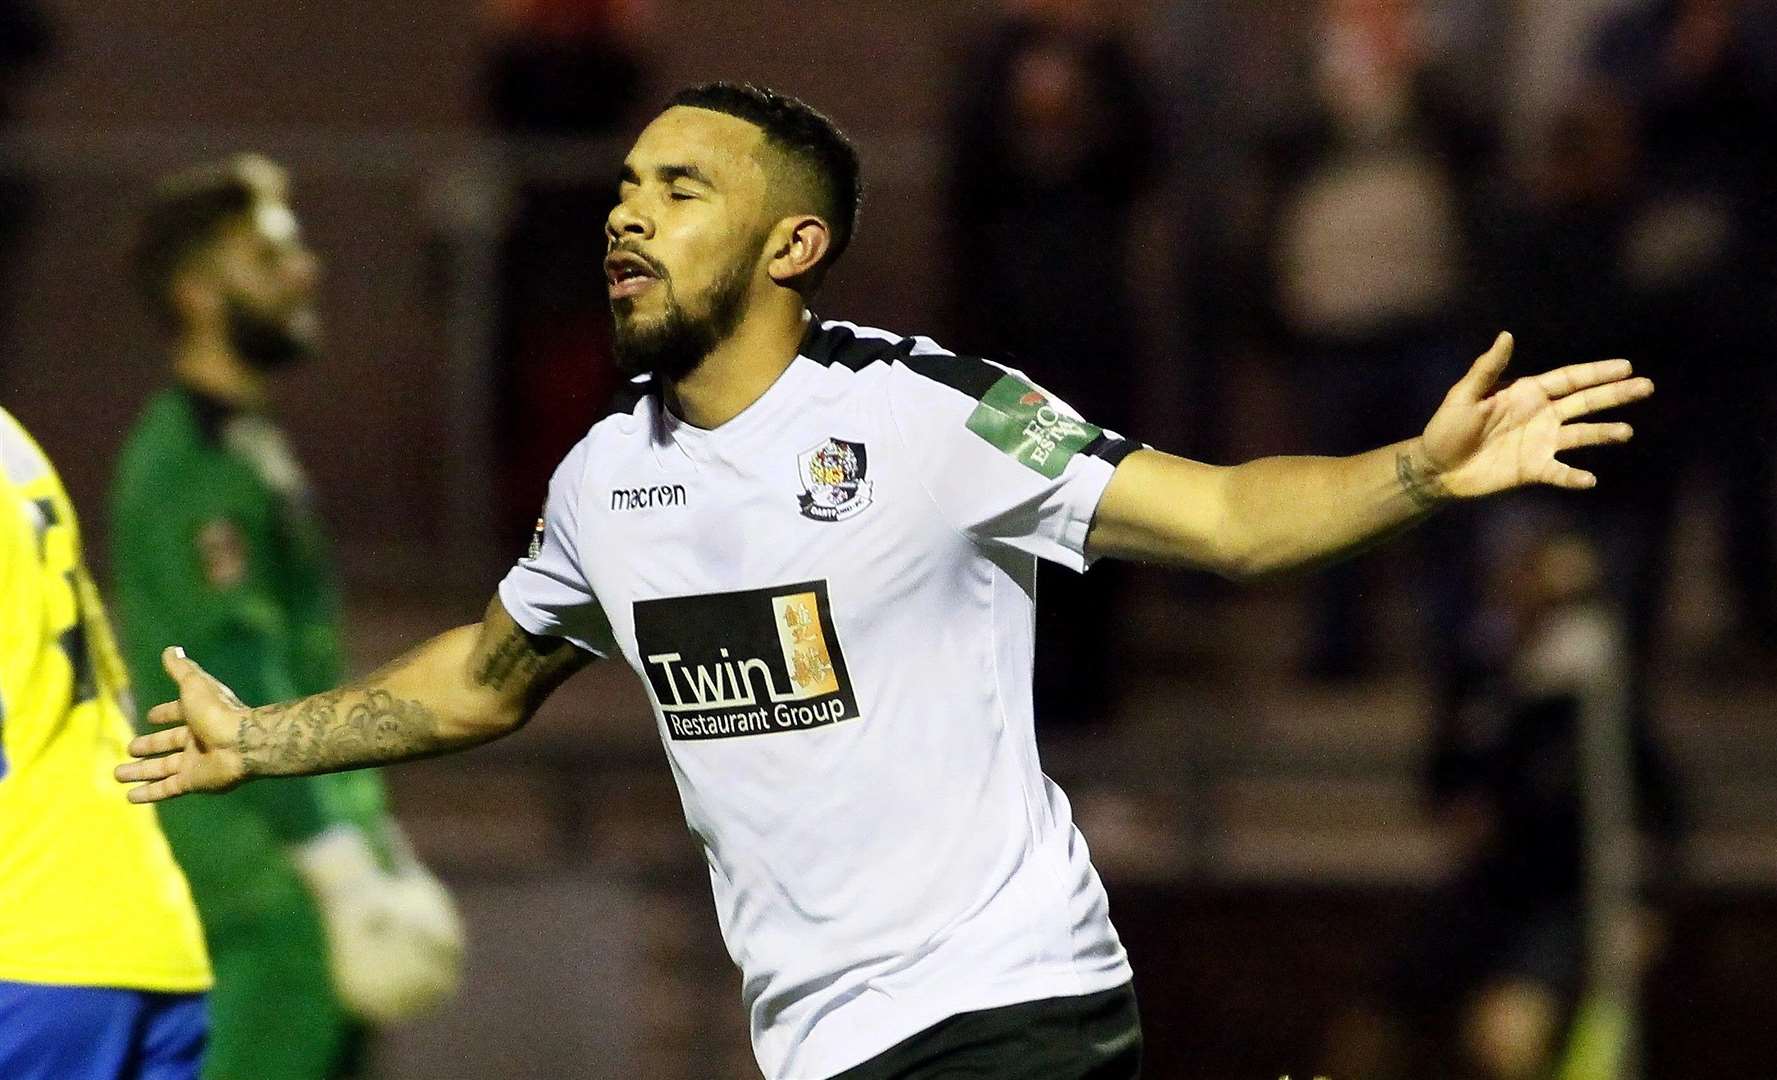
(318, 917)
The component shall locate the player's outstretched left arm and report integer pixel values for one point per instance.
(1279, 514)
(461, 688)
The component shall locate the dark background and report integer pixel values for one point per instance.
(1262, 833)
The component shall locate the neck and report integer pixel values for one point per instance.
(740, 369)
(206, 364)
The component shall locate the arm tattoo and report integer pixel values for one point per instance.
(519, 655)
(528, 664)
(366, 724)
(1421, 485)
(323, 733)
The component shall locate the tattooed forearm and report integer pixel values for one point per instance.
(1420, 484)
(340, 729)
(464, 687)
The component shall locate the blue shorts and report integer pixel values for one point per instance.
(96, 1033)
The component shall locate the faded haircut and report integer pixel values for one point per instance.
(812, 146)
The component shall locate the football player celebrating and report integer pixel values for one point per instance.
(816, 543)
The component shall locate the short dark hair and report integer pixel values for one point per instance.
(184, 214)
(807, 137)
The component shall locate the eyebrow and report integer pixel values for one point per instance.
(666, 174)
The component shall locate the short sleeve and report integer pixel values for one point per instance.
(547, 591)
(1006, 462)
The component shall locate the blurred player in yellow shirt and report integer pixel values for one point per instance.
(102, 962)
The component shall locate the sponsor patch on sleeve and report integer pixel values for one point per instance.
(1025, 425)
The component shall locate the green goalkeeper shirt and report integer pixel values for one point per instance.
(215, 547)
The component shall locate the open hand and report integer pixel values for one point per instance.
(1483, 440)
(202, 753)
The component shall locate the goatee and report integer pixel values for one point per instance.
(678, 344)
(268, 342)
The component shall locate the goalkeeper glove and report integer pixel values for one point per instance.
(394, 941)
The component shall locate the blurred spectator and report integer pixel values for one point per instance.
(1221, 90)
(1560, 284)
(25, 42)
(1493, 974)
(1053, 141)
(558, 70)
(1546, 65)
(1373, 210)
(1564, 287)
(1697, 256)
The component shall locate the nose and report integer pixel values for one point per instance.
(626, 221)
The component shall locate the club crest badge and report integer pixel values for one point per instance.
(222, 552)
(833, 484)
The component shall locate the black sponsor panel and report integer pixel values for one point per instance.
(753, 662)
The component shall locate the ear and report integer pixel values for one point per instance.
(195, 297)
(798, 245)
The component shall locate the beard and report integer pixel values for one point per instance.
(271, 342)
(678, 343)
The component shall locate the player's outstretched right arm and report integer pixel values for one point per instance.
(461, 688)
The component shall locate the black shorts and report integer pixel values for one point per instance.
(1095, 1037)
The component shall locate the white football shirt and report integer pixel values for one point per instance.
(829, 598)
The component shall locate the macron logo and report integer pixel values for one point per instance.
(647, 498)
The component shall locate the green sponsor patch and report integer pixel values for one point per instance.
(1024, 423)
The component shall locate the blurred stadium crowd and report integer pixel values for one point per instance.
(1346, 822)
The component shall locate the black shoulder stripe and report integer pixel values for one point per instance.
(834, 344)
(830, 345)
(972, 376)
(1111, 450)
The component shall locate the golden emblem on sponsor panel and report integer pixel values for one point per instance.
(804, 645)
